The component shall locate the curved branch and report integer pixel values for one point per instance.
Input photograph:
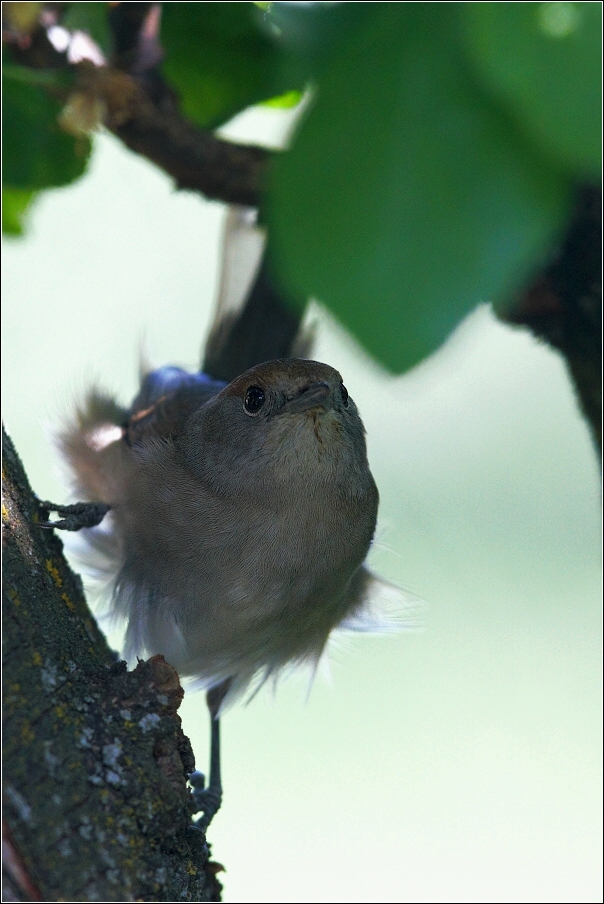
(141, 110)
(156, 129)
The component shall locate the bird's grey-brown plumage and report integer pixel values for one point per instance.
(238, 535)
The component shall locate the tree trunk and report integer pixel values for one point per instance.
(96, 805)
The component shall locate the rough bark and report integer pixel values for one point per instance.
(96, 806)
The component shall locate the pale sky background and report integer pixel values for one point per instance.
(458, 763)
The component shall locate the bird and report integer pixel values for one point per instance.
(238, 515)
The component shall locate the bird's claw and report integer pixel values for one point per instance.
(206, 800)
(209, 802)
(74, 517)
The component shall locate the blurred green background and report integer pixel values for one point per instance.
(457, 763)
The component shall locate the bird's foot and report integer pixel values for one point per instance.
(206, 800)
(73, 517)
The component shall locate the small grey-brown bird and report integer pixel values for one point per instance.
(239, 517)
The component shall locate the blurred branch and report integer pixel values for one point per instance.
(133, 101)
(563, 304)
(265, 328)
(141, 110)
(154, 128)
(126, 21)
(96, 805)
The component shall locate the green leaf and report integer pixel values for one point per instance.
(36, 153)
(407, 198)
(543, 60)
(91, 18)
(46, 78)
(219, 60)
(15, 204)
(308, 34)
(285, 101)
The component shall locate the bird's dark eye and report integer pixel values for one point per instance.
(254, 399)
(344, 392)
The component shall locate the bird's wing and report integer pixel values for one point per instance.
(165, 401)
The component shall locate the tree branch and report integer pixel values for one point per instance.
(195, 159)
(141, 110)
(96, 805)
(563, 304)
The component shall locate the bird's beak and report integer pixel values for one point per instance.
(314, 396)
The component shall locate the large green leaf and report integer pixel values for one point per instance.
(407, 197)
(219, 59)
(36, 153)
(309, 34)
(544, 61)
(15, 204)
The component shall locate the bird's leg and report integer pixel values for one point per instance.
(209, 799)
(73, 517)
